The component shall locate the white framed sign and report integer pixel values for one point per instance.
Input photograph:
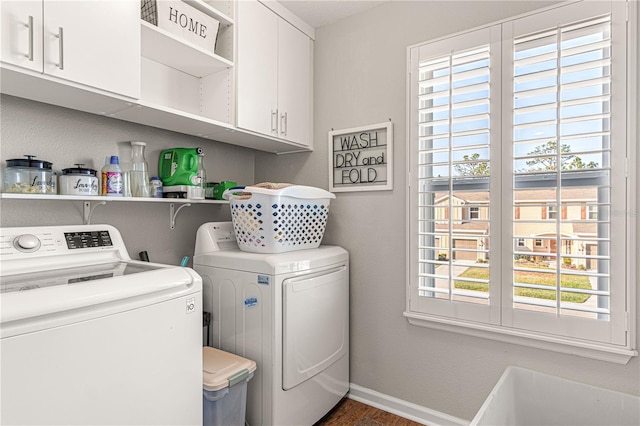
(361, 159)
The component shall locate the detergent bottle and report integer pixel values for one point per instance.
(179, 166)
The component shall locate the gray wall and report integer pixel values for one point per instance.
(66, 137)
(360, 79)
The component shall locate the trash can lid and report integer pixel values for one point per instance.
(221, 369)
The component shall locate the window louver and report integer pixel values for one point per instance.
(454, 175)
(561, 153)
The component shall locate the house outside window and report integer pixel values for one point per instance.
(526, 115)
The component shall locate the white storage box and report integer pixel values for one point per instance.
(279, 220)
(185, 22)
(224, 387)
(525, 397)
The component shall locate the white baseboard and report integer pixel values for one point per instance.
(402, 408)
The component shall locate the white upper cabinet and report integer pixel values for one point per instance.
(294, 84)
(252, 89)
(257, 68)
(93, 43)
(21, 25)
(273, 75)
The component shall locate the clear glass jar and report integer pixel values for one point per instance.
(29, 176)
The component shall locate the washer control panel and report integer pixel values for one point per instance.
(33, 242)
(87, 239)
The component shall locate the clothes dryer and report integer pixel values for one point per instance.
(288, 312)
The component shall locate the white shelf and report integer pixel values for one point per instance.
(87, 210)
(211, 11)
(163, 47)
(41, 197)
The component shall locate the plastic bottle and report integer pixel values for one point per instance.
(202, 173)
(103, 176)
(139, 174)
(156, 187)
(112, 178)
(200, 179)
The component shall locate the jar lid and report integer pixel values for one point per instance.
(29, 162)
(79, 170)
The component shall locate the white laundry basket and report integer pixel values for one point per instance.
(527, 397)
(279, 220)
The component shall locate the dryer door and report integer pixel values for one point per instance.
(315, 323)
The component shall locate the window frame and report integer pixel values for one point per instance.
(470, 326)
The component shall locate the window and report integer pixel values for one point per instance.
(474, 213)
(523, 116)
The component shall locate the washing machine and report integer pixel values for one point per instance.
(288, 312)
(89, 336)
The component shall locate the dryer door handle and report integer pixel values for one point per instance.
(307, 281)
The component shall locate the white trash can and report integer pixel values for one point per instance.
(224, 387)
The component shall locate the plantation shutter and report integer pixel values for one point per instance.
(453, 138)
(524, 124)
(562, 155)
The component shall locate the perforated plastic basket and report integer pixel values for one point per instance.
(279, 220)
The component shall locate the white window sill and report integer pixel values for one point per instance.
(602, 352)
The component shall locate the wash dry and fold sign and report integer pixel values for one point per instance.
(360, 159)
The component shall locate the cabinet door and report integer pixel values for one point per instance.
(21, 24)
(257, 68)
(96, 43)
(294, 83)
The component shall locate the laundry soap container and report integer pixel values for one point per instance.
(224, 387)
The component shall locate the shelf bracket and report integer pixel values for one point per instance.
(173, 213)
(87, 211)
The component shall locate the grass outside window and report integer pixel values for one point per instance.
(529, 277)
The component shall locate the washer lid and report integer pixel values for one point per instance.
(223, 369)
(151, 282)
(75, 275)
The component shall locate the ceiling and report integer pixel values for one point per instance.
(318, 13)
